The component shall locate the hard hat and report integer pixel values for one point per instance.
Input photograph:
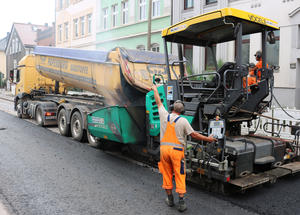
(258, 54)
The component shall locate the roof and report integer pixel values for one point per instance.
(216, 27)
(3, 43)
(75, 54)
(28, 32)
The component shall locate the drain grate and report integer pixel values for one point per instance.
(2, 129)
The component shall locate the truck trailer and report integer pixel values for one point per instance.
(123, 108)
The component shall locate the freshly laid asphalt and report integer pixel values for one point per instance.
(42, 172)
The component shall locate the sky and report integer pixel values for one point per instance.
(24, 11)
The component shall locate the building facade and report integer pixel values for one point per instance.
(124, 23)
(21, 42)
(3, 43)
(285, 52)
(76, 23)
(46, 37)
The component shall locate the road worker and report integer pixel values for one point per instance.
(173, 132)
(255, 73)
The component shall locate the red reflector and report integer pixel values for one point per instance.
(228, 179)
(49, 114)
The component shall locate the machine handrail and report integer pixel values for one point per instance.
(203, 74)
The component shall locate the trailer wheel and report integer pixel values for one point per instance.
(19, 111)
(64, 128)
(39, 117)
(95, 142)
(77, 131)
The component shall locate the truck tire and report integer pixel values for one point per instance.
(95, 142)
(64, 128)
(77, 131)
(19, 111)
(39, 117)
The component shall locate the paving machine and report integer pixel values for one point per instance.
(123, 109)
(219, 102)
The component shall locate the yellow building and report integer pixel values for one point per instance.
(76, 24)
(3, 43)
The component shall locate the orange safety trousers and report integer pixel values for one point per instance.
(172, 159)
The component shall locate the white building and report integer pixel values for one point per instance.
(285, 53)
(76, 23)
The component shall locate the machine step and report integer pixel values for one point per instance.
(264, 160)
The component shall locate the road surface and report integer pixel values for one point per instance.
(42, 172)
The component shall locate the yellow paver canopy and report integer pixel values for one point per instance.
(216, 27)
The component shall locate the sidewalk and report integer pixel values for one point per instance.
(6, 95)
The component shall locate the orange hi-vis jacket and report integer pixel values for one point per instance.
(254, 79)
(172, 159)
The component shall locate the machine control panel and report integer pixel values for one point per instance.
(216, 128)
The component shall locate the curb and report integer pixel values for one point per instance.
(7, 98)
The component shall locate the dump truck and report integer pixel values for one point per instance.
(117, 82)
(123, 108)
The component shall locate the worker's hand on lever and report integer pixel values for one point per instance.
(198, 136)
(211, 139)
(154, 87)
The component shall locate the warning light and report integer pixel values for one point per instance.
(228, 179)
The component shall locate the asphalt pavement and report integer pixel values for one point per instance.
(42, 172)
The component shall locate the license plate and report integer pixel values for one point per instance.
(50, 117)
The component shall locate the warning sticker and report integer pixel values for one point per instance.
(170, 93)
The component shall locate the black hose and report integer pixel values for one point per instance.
(283, 108)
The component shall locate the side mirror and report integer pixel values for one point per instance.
(271, 37)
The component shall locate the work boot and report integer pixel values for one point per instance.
(181, 205)
(170, 200)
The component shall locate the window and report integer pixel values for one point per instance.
(105, 18)
(82, 23)
(124, 12)
(142, 9)
(59, 33)
(188, 4)
(17, 45)
(245, 49)
(273, 51)
(66, 31)
(141, 47)
(13, 46)
(76, 27)
(155, 8)
(89, 23)
(61, 4)
(67, 3)
(114, 15)
(211, 1)
(155, 47)
(188, 54)
(209, 59)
